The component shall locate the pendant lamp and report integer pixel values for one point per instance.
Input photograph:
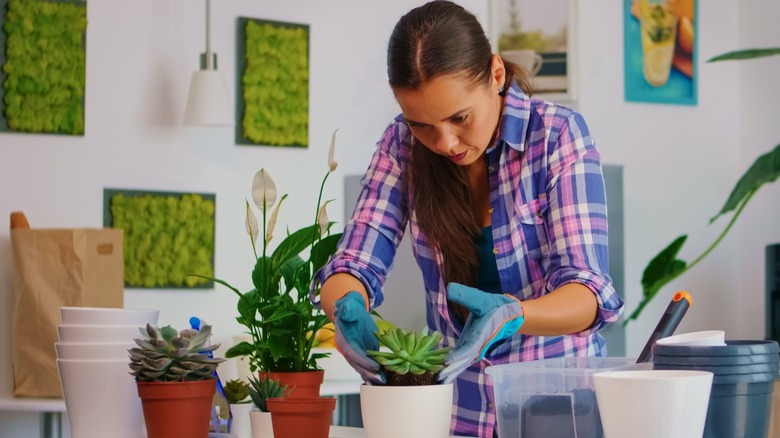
(207, 101)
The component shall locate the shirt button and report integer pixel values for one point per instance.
(490, 210)
(491, 168)
(495, 251)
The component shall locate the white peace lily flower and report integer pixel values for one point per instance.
(269, 232)
(332, 163)
(252, 226)
(263, 190)
(322, 217)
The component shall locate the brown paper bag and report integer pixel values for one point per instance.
(55, 268)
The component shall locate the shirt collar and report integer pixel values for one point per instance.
(514, 118)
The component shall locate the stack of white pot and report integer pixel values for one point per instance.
(100, 395)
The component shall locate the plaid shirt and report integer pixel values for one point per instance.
(549, 219)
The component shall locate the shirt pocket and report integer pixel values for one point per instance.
(532, 228)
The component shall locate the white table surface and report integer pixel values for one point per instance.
(348, 432)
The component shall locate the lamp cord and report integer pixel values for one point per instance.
(208, 61)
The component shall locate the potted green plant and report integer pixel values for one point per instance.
(176, 380)
(259, 391)
(410, 361)
(237, 394)
(277, 312)
(665, 266)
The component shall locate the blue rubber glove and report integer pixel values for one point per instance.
(493, 318)
(355, 335)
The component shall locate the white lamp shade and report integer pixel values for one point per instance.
(207, 102)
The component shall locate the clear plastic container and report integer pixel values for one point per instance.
(551, 397)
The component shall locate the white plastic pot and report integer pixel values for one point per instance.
(406, 411)
(262, 427)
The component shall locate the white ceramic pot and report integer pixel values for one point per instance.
(107, 316)
(98, 333)
(654, 403)
(99, 351)
(406, 411)
(240, 426)
(262, 427)
(101, 398)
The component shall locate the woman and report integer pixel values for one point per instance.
(505, 203)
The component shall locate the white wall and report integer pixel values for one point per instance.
(680, 162)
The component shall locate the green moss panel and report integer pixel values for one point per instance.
(45, 66)
(167, 236)
(275, 84)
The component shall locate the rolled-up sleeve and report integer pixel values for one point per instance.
(578, 227)
(371, 236)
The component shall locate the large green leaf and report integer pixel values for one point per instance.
(293, 245)
(764, 170)
(289, 270)
(662, 269)
(322, 250)
(240, 349)
(746, 54)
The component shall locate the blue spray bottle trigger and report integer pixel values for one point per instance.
(195, 323)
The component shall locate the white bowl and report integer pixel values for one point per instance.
(101, 398)
(652, 404)
(703, 338)
(107, 316)
(90, 334)
(96, 351)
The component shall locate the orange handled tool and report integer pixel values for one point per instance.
(668, 324)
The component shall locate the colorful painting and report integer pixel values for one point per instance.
(43, 58)
(536, 35)
(273, 83)
(660, 51)
(167, 236)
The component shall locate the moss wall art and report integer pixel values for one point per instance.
(167, 236)
(273, 83)
(43, 66)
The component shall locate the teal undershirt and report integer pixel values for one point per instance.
(487, 277)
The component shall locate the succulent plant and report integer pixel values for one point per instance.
(413, 355)
(260, 390)
(236, 390)
(165, 355)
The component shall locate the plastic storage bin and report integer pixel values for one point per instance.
(553, 398)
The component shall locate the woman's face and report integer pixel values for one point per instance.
(452, 116)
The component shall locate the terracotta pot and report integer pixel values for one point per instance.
(301, 417)
(424, 410)
(262, 427)
(301, 384)
(177, 409)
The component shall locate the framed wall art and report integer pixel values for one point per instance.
(272, 103)
(43, 66)
(167, 236)
(660, 51)
(537, 36)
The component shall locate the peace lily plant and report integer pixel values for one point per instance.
(277, 312)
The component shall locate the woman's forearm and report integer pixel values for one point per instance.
(335, 287)
(569, 309)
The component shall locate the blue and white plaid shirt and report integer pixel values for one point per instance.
(549, 220)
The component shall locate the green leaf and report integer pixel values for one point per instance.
(662, 269)
(746, 54)
(288, 271)
(293, 245)
(240, 349)
(764, 170)
(322, 250)
(281, 313)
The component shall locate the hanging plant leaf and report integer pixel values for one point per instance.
(746, 54)
(764, 170)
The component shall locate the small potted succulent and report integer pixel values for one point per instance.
(260, 390)
(175, 375)
(237, 394)
(411, 364)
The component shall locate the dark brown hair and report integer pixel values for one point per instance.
(441, 38)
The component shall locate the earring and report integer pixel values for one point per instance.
(500, 89)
